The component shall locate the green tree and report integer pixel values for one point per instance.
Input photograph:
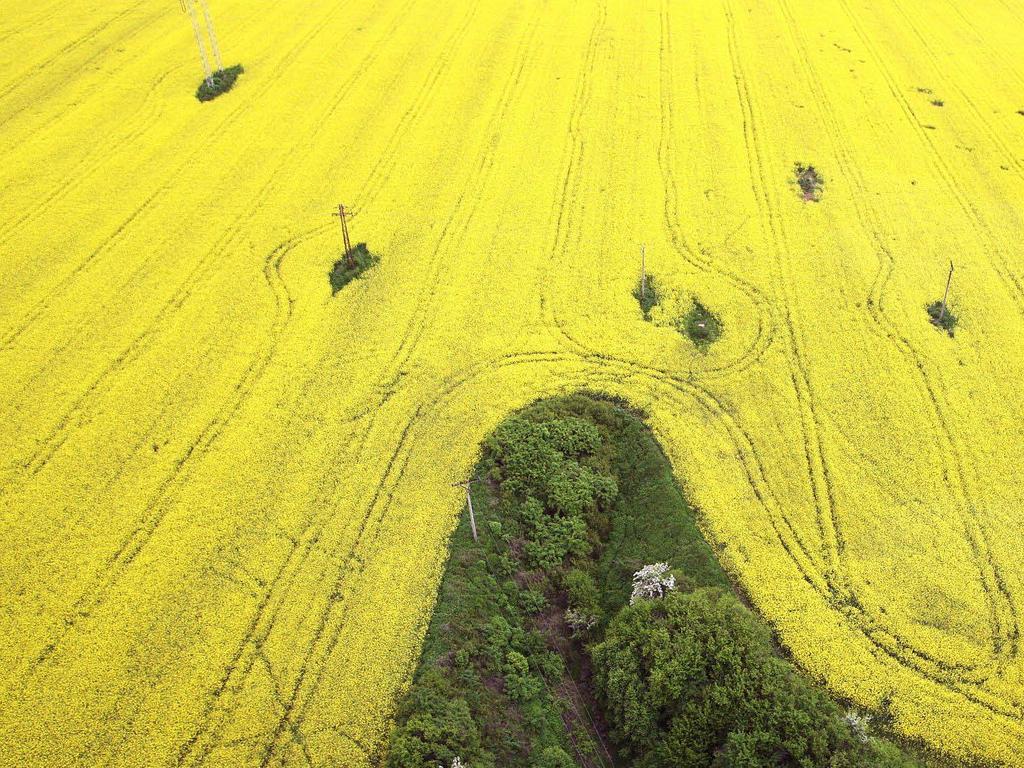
(693, 680)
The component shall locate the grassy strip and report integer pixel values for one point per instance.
(219, 82)
(576, 496)
(350, 266)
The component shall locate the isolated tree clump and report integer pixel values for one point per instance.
(218, 82)
(350, 266)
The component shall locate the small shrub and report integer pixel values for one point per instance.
(579, 622)
(555, 538)
(549, 664)
(647, 296)
(520, 685)
(532, 601)
(942, 318)
(439, 728)
(350, 266)
(219, 82)
(702, 326)
(554, 757)
(582, 591)
(860, 724)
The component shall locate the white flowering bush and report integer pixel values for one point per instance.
(579, 621)
(652, 582)
(859, 723)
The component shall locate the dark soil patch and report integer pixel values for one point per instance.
(811, 182)
(219, 82)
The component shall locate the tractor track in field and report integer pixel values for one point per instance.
(1002, 266)
(157, 508)
(978, 537)
(146, 116)
(198, 747)
(819, 480)
(888, 642)
(46, 63)
(981, 39)
(701, 261)
(563, 203)
(666, 151)
(890, 332)
(206, 267)
(12, 334)
(835, 575)
(91, 65)
(763, 314)
(979, 122)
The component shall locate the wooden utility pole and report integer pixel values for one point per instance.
(469, 503)
(945, 296)
(643, 272)
(342, 214)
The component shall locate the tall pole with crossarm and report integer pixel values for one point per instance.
(188, 6)
(213, 35)
(945, 296)
(344, 215)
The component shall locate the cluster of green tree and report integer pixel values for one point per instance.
(350, 266)
(543, 653)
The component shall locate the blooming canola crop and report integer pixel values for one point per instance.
(225, 493)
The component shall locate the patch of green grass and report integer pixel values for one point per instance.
(646, 295)
(350, 266)
(219, 82)
(702, 326)
(575, 495)
(940, 318)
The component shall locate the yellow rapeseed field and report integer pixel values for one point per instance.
(225, 494)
